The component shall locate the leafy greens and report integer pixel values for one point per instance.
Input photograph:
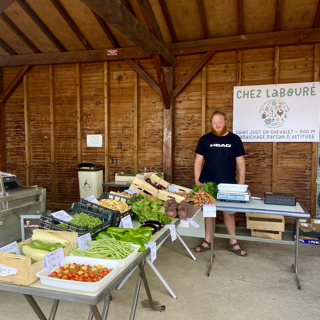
(209, 187)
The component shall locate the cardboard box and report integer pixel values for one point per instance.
(305, 225)
(315, 225)
(26, 272)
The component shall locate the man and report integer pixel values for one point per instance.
(223, 152)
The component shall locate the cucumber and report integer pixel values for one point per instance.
(49, 238)
(35, 254)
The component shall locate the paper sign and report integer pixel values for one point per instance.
(126, 222)
(131, 191)
(7, 271)
(92, 199)
(302, 220)
(11, 247)
(83, 244)
(173, 189)
(142, 178)
(258, 201)
(209, 210)
(94, 140)
(112, 52)
(172, 231)
(153, 249)
(317, 221)
(62, 215)
(304, 225)
(191, 221)
(53, 260)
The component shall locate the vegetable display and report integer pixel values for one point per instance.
(208, 187)
(114, 205)
(146, 209)
(82, 220)
(200, 198)
(154, 184)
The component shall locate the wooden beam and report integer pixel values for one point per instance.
(53, 135)
(162, 81)
(239, 68)
(316, 23)
(168, 130)
(278, 18)
(316, 62)
(19, 33)
(240, 18)
(168, 19)
(2, 128)
(150, 19)
(6, 47)
(4, 4)
(203, 19)
(127, 4)
(24, 5)
(144, 76)
(79, 111)
(14, 84)
(27, 129)
(201, 63)
(107, 30)
(275, 144)
(135, 121)
(115, 13)
(204, 100)
(65, 15)
(106, 120)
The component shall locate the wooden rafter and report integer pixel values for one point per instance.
(24, 5)
(168, 19)
(65, 15)
(127, 4)
(2, 128)
(201, 63)
(107, 30)
(240, 18)
(14, 84)
(150, 19)
(278, 18)
(203, 19)
(262, 40)
(316, 23)
(19, 33)
(162, 81)
(4, 4)
(7, 48)
(116, 14)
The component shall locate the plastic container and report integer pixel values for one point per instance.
(51, 223)
(80, 286)
(90, 179)
(229, 187)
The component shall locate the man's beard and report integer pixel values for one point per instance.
(220, 132)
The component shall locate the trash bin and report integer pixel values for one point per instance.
(90, 179)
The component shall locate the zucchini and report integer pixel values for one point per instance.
(35, 254)
(49, 238)
(43, 246)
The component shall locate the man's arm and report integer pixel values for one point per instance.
(197, 168)
(241, 169)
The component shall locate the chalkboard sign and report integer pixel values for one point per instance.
(28, 224)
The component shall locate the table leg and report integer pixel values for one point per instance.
(54, 309)
(35, 307)
(95, 312)
(213, 229)
(294, 267)
(125, 279)
(191, 254)
(105, 308)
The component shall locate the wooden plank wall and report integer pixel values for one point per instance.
(67, 102)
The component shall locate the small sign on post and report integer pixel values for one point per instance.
(28, 224)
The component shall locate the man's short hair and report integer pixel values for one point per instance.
(219, 113)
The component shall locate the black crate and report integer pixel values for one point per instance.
(51, 223)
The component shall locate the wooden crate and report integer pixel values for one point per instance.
(123, 178)
(144, 191)
(275, 235)
(26, 272)
(155, 179)
(261, 222)
(182, 189)
(142, 184)
(165, 195)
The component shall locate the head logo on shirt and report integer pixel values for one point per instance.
(220, 145)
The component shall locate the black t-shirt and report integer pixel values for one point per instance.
(220, 155)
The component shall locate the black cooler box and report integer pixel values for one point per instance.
(284, 199)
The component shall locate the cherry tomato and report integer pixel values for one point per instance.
(54, 274)
(65, 276)
(60, 275)
(86, 275)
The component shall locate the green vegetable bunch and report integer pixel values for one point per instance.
(146, 209)
(209, 187)
(82, 220)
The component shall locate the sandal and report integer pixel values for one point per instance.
(236, 251)
(202, 248)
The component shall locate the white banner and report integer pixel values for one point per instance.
(277, 113)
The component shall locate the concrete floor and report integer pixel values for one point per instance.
(259, 286)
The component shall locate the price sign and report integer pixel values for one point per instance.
(304, 225)
(191, 221)
(126, 222)
(92, 199)
(131, 191)
(62, 215)
(7, 271)
(153, 249)
(11, 247)
(173, 189)
(53, 260)
(316, 221)
(209, 210)
(302, 220)
(83, 244)
(172, 231)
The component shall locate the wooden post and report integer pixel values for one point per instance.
(2, 128)
(239, 68)
(168, 132)
(204, 100)
(135, 120)
(53, 137)
(26, 102)
(106, 120)
(79, 111)
(275, 144)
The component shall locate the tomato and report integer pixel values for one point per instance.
(91, 275)
(54, 274)
(81, 279)
(86, 275)
(59, 275)
(90, 281)
(65, 276)
(99, 266)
